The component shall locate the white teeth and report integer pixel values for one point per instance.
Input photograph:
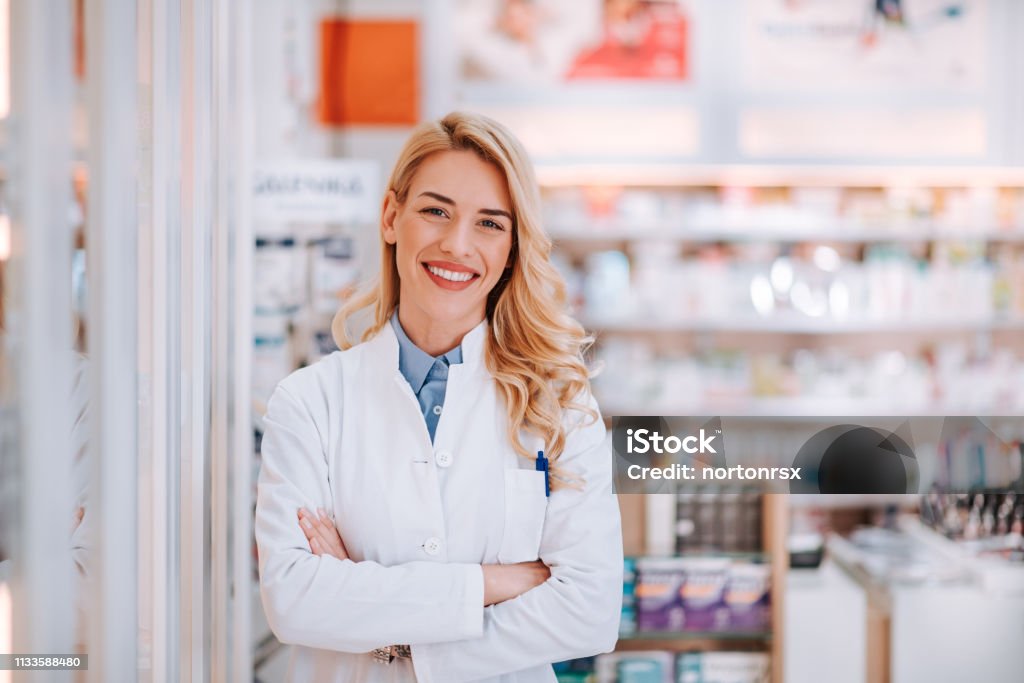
(449, 275)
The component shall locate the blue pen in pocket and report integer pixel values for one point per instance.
(542, 466)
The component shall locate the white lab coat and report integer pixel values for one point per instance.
(418, 519)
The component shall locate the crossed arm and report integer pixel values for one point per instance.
(501, 581)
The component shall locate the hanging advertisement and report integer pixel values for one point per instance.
(556, 41)
(865, 45)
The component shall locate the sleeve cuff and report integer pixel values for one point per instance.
(473, 600)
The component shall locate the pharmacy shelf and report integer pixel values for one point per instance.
(800, 325)
(753, 557)
(696, 645)
(774, 530)
(802, 408)
(849, 501)
(690, 641)
(754, 233)
(774, 175)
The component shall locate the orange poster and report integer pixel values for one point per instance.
(369, 73)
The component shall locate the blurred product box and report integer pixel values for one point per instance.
(748, 597)
(333, 272)
(658, 603)
(277, 274)
(704, 594)
(652, 666)
(723, 667)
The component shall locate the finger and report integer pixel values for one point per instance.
(307, 525)
(328, 536)
(311, 525)
(327, 528)
(331, 540)
(314, 546)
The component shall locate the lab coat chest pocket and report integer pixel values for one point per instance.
(525, 506)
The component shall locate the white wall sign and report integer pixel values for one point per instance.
(319, 191)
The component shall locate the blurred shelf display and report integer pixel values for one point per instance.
(673, 176)
(812, 287)
(699, 597)
(849, 501)
(302, 277)
(706, 591)
(809, 408)
(887, 557)
(944, 379)
(986, 526)
(655, 666)
(912, 575)
(796, 291)
(792, 211)
(800, 325)
(615, 232)
(914, 258)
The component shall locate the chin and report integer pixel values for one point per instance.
(454, 314)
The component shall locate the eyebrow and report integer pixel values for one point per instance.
(451, 202)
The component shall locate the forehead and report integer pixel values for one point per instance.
(464, 177)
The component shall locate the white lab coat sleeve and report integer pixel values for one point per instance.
(575, 613)
(326, 603)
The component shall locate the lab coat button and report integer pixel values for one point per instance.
(443, 458)
(437, 410)
(432, 546)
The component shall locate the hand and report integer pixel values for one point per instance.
(322, 535)
(506, 581)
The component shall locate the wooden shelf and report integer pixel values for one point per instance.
(775, 517)
(694, 642)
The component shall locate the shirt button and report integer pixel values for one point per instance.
(443, 458)
(432, 546)
(437, 410)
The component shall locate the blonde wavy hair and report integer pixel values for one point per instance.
(534, 350)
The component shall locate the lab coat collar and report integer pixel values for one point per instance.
(384, 349)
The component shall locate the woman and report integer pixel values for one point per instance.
(404, 530)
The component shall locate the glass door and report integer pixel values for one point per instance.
(125, 510)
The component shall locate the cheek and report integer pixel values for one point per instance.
(406, 247)
(498, 258)
(405, 262)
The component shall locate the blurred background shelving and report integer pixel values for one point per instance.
(782, 291)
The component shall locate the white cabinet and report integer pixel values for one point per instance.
(825, 627)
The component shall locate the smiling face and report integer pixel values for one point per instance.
(453, 240)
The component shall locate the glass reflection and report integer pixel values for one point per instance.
(8, 451)
(7, 446)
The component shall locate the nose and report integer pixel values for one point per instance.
(458, 238)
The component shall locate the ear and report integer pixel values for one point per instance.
(389, 212)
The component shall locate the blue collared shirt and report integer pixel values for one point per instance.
(427, 375)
